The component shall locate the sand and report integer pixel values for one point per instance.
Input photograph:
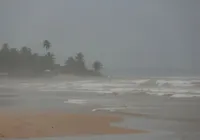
(48, 124)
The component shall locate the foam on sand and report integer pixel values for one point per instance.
(110, 109)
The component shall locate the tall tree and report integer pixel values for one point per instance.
(14, 59)
(36, 62)
(25, 58)
(49, 60)
(80, 62)
(46, 44)
(97, 65)
(80, 57)
(70, 65)
(4, 57)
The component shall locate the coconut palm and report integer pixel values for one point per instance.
(79, 57)
(46, 44)
(4, 57)
(80, 62)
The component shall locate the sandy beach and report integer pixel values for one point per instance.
(82, 109)
(51, 124)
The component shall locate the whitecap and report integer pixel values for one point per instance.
(159, 94)
(175, 83)
(184, 96)
(121, 90)
(104, 92)
(76, 101)
(110, 109)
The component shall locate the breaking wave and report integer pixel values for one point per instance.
(178, 83)
(76, 101)
(174, 88)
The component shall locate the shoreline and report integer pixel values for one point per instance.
(57, 123)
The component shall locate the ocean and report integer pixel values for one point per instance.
(168, 107)
(173, 87)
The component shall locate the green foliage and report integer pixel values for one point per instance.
(97, 66)
(46, 44)
(76, 65)
(70, 62)
(80, 62)
(23, 61)
(79, 57)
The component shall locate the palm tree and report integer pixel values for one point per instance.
(49, 60)
(4, 57)
(14, 59)
(51, 55)
(97, 65)
(46, 44)
(79, 57)
(80, 62)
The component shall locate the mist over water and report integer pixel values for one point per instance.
(174, 87)
(151, 72)
(130, 40)
(138, 58)
(147, 37)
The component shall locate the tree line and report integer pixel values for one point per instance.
(24, 62)
(77, 65)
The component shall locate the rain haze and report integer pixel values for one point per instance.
(91, 69)
(126, 36)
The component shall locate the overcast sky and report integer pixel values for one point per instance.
(120, 33)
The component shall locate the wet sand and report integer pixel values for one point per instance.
(51, 124)
(35, 111)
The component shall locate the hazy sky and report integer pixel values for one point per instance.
(120, 33)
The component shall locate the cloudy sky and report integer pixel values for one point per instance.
(120, 33)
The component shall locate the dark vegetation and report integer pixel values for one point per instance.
(24, 62)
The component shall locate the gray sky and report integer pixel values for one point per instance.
(120, 33)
